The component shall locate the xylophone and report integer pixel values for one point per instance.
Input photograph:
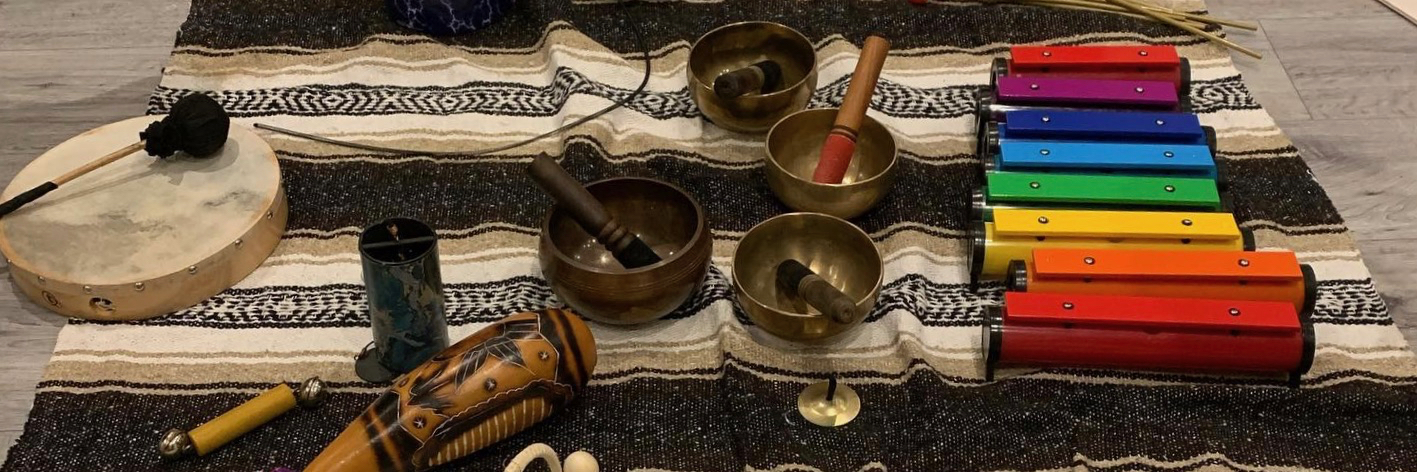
(1105, 213)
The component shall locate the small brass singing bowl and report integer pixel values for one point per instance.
(833, 248)
(795, 144)
(585, 275)
(735, 46)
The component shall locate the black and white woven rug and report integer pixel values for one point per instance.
(702, 390)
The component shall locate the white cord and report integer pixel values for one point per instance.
(531, 454)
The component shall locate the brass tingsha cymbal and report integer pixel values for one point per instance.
(829, 403)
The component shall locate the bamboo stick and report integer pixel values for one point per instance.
(1090, 6)
(1194, 18)
(1133, 6)
(1244, 25)
(1103, 4)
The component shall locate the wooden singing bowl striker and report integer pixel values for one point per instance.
(738, 45)
(589, 279)
(794, 146)
(833, 248)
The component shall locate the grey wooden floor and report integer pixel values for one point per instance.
(1339, 75)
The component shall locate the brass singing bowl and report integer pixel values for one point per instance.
(735, 46)
(585, 276)
(835, 249)
(795, 144)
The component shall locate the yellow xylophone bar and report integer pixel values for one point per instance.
(1016, 232)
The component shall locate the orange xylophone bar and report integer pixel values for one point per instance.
(1147, 333)
(1225, 275)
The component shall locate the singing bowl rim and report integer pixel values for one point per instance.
(700, 83)
(700, 230)
(886, 172)
(870, 296)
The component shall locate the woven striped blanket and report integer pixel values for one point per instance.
(703, 389)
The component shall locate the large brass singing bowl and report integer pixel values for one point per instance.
(588, 278)
(795, 144)
(835, 249)
(739, 45)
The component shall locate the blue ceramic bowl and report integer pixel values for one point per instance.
(448, 17)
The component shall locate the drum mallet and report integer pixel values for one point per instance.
(841, 140)
(197, 125)
(797, 280)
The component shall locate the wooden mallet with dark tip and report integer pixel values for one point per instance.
(764, 77)
(590, 214)
(197, 125)
(841, 140)
(800, 281)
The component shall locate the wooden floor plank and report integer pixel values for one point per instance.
(48, 96)
(47, 24)
(1266, 78)
(7, 439)
(1368, 169)
(1350, 68)
(48, 77)
(1267, 9)
(26, 349)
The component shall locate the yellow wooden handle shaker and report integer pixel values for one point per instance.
(240, 420)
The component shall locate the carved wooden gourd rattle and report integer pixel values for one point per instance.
(494, 383)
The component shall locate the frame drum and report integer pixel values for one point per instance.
(142, 236)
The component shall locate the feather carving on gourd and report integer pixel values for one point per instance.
(433, 393)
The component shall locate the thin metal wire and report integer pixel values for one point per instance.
(639, 38)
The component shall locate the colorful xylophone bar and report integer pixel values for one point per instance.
(1050, 190)
(1016, 232)
(1151, 63)
(1157, 333)
(1105, 212)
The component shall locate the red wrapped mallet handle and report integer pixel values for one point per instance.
(841, 141)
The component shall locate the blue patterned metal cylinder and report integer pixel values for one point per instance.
(448, 17)
(405, 290)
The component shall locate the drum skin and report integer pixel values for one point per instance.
(495, 383)
(143, 236)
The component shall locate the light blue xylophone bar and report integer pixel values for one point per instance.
(1162, 158)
